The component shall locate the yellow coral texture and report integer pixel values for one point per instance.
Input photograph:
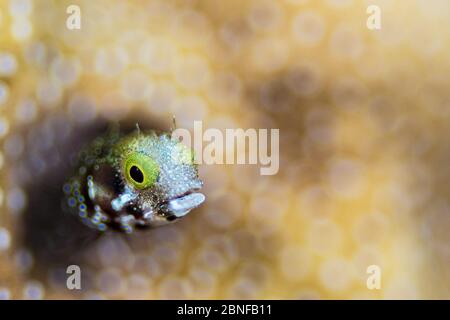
(363, 113)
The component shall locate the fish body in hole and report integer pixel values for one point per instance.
(136, 180)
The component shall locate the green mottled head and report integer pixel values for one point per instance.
(138, 180)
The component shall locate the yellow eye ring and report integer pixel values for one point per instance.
(140, 170)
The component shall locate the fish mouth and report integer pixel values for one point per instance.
(173, 209)
(183, 204)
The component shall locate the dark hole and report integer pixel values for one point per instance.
(136, 174)
(55, 238)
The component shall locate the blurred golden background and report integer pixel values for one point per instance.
(364, 126)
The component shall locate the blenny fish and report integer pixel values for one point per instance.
(136, 180)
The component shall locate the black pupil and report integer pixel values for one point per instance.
(136, 174)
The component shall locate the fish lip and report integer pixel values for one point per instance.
(181, 205)
(186, 193)
(168, 212)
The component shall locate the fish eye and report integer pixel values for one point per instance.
(140, 170)
(136, 174)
